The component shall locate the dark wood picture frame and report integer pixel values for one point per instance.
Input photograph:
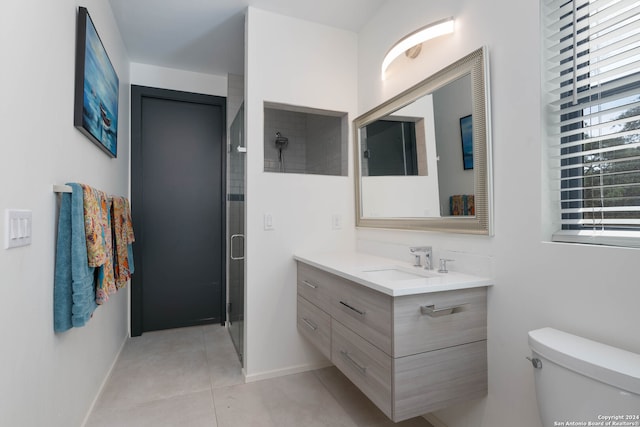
(466, 135)
(96, 88)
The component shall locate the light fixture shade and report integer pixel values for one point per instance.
(433, 30)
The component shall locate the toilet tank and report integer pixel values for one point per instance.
(584, 383)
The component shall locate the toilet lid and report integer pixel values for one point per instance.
(610, 365)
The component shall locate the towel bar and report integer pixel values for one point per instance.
(60, 188)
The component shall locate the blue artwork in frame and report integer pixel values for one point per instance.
(96, 88)
(466, 133)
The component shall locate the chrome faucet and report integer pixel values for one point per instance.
(443, 265)
(428, 256)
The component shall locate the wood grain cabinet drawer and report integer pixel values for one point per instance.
(365, 365)
(422, 383)
(364, 311)
(437, 320)
(409, 354)
(316, 285)
(437, 379)
(315, 325)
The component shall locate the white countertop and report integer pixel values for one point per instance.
(361, 268)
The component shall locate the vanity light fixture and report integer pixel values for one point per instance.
(411, 42)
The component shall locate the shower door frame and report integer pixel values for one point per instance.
(236, 230)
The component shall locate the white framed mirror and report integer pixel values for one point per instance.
(423, 158)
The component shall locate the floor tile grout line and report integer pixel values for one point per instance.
(202, 335)
(209, 361)
(333, 395)
(215, 409)
(167, 352)
(149, 402)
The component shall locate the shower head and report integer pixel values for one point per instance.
(281, 141)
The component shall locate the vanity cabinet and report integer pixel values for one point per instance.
(409, 354)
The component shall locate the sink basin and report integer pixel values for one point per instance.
(393, 274)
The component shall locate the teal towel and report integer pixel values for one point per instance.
(132, 268)
(62, 298)
(74, 284)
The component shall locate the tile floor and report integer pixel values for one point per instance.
(191, 377)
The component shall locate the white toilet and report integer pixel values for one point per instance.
(581, 381)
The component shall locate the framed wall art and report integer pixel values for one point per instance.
(96, 88)
(466, 133)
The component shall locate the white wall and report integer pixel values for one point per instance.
(399, 196)
(586, 290)
(452, 101)
(395, 196)
(235, 96)
(51, 379)
(174, 79)
(294, 62)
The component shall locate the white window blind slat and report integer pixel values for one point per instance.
(559, 8)
(559, 30)
(596, 104)
(603, 209)
(591, 19)
(600, 129)
(590, 24)
(599, 201)
(620, 38)
(579, 143)
(587, 94)
(598, 116)
(592, 90)
(594, 39)
(600, 195)
(598, 222)
(595, 65)
(598, 164)
(624, 66)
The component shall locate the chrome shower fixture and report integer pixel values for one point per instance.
(281, 141)
(281, 144)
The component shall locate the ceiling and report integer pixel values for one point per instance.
(207, 36)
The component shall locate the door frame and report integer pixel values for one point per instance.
(138, 93)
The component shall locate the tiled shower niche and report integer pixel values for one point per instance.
(304, 140)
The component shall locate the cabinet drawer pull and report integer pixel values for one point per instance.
(360, 312)
(310, 324)
(432, 311)
(347, 356)
(311, 285)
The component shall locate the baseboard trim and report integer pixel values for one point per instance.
(286, 371)
(104, 382)
(435, 421)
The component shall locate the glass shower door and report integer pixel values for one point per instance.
(235, 232)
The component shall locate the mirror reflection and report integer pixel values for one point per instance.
(422, 143)
(423, 156)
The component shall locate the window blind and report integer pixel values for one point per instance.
(592, 87)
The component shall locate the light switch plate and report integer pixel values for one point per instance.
(17, 228)
(268, 222)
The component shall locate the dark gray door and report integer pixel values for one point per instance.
(177, 198)
(391, 148)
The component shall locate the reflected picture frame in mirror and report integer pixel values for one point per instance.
(480, 221)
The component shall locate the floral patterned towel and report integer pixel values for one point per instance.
(462, 204)
(94, 226)
(97, 222)
(123, 237)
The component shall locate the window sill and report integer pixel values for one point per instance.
(629, 239)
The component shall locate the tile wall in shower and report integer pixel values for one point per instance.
(317, 143)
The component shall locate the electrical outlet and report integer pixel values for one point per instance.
(336, 222)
